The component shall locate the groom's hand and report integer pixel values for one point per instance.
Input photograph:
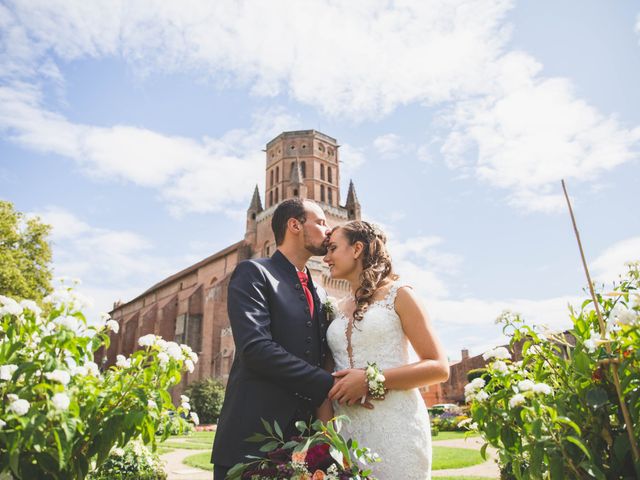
(350, 387)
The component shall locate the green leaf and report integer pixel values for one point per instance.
(256, 438)
(483, 451)
(577, 442)
(267, 427)
(570, 423)
(267, 447)
(301, 426)
(556, 466)
(278, 430)
(596, 397)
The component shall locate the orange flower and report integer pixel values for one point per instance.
(318, 475)
(299, 457)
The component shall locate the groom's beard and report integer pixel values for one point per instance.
(315, 249)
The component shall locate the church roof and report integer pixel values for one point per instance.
(256, 204)
(352, 198)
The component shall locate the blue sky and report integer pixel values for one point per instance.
(136, 129)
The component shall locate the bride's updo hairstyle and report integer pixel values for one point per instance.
(376, 262)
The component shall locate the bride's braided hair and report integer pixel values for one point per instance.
(376, 262)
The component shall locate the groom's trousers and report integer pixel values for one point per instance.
(220, 472)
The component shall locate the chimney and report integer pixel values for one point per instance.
(465, 354)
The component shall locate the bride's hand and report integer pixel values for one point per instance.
(350, 387)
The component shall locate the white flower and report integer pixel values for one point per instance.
(184, 398)
(481, 396)
(60, 401)
(188, 352)
(19, 407)
(122, 362)
(535, 350)
(117, 452)
(193, 356)
(7, 371)
(194, 418)
(113, 326)
(500, 353)
(152, 404)
(163, 358)
(517, 399)
(81, 371)
(525, 385)
(66, 321)
(590, 345)
(31, 305)
(370, 371)
(626, 317)
(12, 397)
(173, 350)
(104, 316)
(188, 364)
(186, 406)
(464, 422)
(9, 306)
(92, 368)
(542, 388)
(2, 424)
(147, 340)
(60, 376)
(499, 366)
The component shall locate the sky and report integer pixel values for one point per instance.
(136, 130)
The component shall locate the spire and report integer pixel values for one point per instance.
(352, 198)
(296, 174)
(256, 204)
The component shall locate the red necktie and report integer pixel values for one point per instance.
(304, 281)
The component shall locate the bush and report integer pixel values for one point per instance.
(134, 462)
(206, 397)
(175, 426)
(448, 422)
(60, 415)
(557, 413)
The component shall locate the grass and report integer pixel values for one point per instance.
(443, 457)
(450, 436)
(449, 457)
(463, 478)
(199, 460)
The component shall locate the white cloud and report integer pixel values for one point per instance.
(351, 158)
(532, 131)
(638, 24)
(192, 175)
(388, 145)
(356, 58)
(610, 264)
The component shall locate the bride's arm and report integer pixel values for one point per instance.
(433, 366)
(325, 411)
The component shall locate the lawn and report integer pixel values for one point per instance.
(450, 436)
(443, 457)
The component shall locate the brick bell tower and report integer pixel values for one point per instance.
(303, 164)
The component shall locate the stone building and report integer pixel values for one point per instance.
(190, 306)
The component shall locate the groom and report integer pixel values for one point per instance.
(279, 329)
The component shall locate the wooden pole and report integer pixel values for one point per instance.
(603, 330)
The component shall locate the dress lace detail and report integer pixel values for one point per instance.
(398, 427)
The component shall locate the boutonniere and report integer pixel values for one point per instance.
(330, 307)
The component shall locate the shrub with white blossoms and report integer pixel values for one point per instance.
(60, 415)
(556, 413)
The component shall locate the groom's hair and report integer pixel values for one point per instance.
(290, 208)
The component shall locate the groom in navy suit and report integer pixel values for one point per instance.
(279, 328)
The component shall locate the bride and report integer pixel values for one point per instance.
(369, 339)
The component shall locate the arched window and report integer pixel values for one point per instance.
(277, 195)
(322, 199)
(322, 171)
(271, 177)
(303, 167)
(293, 165)
(271, 198)
(329, 175)
(330, 195)
(295, 192)
(277, 174)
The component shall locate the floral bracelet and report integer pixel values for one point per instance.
(375, 381)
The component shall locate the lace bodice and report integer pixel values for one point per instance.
(378, 337)
(398, 427)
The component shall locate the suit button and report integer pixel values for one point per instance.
(298, 287)
(324, 355)
(308, 353)
(308, 324)
(308, 339)
(301, 296)
(306, 309)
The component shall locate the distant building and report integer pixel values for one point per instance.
(191, 305)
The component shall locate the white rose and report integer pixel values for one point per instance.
(60, 401)
(370, 371)
(517, 399)
(525, 385)
(481, 396)
(59, 376)
(542, 388)
(380, 378)
(188, 364)
(147, 340)
(113, 326)
(7, 371)
(122, 362)
(194, 418)
(19, 407)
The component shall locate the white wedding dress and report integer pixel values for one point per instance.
(398, 428)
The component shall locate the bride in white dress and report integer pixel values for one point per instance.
(378, 323)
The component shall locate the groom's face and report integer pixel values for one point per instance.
(315, 230)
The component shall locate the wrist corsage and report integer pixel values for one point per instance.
(375, 381)
(331, 308)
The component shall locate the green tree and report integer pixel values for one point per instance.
(25, 255)
(206, 398)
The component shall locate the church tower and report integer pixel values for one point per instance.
(303, 164)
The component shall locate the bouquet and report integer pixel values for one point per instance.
(319, 453)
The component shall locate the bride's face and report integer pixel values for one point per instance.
(342, 258)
